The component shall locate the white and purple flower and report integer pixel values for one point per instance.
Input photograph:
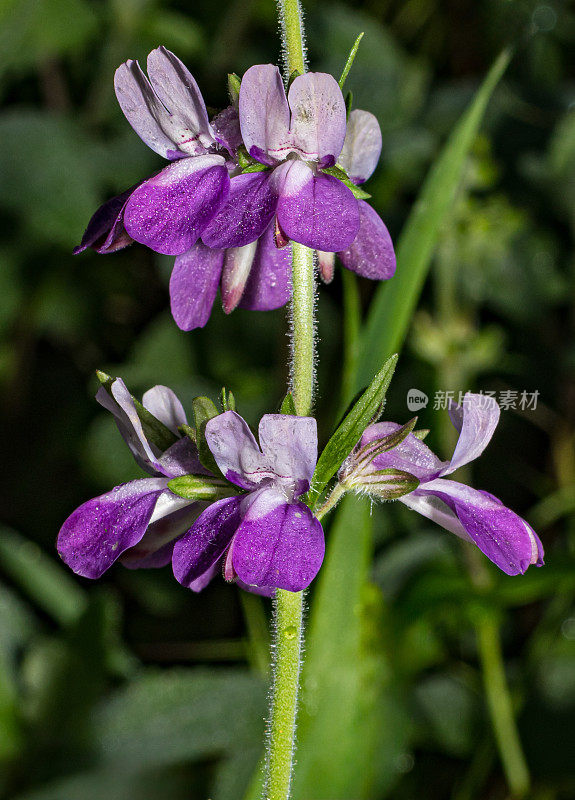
(136, 522)
(267, 539)
(477, 516)
(262, 536)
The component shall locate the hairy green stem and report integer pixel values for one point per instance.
(293, 40)
(501, 708)
(288, 606)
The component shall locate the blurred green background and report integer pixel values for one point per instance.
(134, 687)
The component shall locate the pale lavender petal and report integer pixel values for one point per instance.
(169, 212)
(206, 541)
(163, 403)
(194, 284)
(98, 532)
(263, 591)
(411, 455)
(237, 265)
(105, 232)
(121, 405)
(226, 127)
(475, 419)
(144, 111)
(178, 91)
(172, 517)
(236, 451)
(318, 211)
(200, 583)
(290, 443)
(317, 117)
(500, 534)
(371, 254)
(278, 544)
(269, 281)
(435, 509)
(264, 111)
(181, 459)
(362, 146)
(248, 210)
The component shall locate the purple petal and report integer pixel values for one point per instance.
(105, 232)
(206, 541)
(144, 111)
(121, 405)
(226, 127)
(178, 91)
(248, 210)
(412, 455)
(318, 211)
(237, 265)
(264, 112)
(98, 532)
(172, 517)
(278, 544)
(194, 285)
(236, 451)
(362, 146)
(500, 534)
(290, 444)
(181, 459)
(269, 281)
(475, 419)
(371, 254)
(169, 211)
(163, 403)
(263, 591)
(318, 116)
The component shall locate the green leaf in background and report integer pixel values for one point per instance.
(171, 716)
(394, 303)
(364, 411)
(351, 729)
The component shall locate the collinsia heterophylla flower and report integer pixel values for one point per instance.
(267, 538)
(289, 197)
(477, 516)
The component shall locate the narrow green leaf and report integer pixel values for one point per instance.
(363, 412)
(227, 400)
(204, 409)
(351, 727)
(156, 432)
(288, 406)
(348, 104)
(350, 60)
(234, 83)
(392, 309)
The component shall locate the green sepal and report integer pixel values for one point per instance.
(201, 487)
(389, 483)
(234, 83)
(295, 74)
(227, 400)
(255, 167)
(203, 410)
(244, 158)
(350, 60)
(348, 103)
(421, 434)
(378, 446)
(155, 431)
(288, 406)
(189, 431)
(363, 412)
(341, 175)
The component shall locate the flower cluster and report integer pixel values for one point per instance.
(267, 170)
(255, 528)
(476, 516)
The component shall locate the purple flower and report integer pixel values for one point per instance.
(169, 211)
(476, 516)
(267, 538)
(137, 521)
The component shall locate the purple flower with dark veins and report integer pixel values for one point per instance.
(169, 211)
(136, 522)
(296, 137)
(477, 516)
(267, 538)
